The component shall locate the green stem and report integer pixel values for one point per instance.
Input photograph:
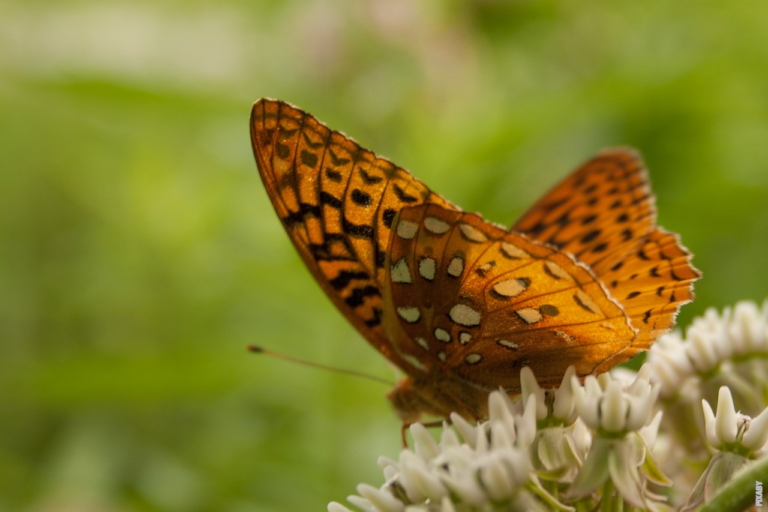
(739, 493)
(606, 503)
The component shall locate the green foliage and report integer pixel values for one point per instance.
(139, 253)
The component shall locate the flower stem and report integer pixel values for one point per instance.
(739, 493)
(607, 504)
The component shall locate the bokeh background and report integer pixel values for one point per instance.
(139, 253)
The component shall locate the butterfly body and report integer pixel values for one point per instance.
(460, 304)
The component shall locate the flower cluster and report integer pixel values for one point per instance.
(728, 349)
(634, 441)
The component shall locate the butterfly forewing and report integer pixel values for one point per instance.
(337, 202)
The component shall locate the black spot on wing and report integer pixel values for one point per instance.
(332, 175)
(375, 319)
(326, 198)
(313, 145)
(400, 193)
(358, 295)
(388, 216)
(646, 316)
(358, 230)
(307, 158)
(335, 160)
(283, 151)
(549, 310)
(361, 198)
(590, 236)
(369, 179)
(344, 277)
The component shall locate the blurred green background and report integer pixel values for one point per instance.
(139, 253)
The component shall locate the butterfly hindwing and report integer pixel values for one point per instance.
(652, 284)
(494, 303)
(599, 213)
(604, 214)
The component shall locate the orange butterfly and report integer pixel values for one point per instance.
(459, 304)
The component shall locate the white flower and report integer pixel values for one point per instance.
(709, 341)
(617, 408)
(748, 331)
(670, 363)
(490, 466)
(558, 403)
(730, 430)
(587, 445)
(728, 348)
(738, 440)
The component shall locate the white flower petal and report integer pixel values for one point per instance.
(582, 438)
(701, 349)
(384, 462)
(496, 480)
(448, 438)
(565, 399)
(748, 330)
(603, 380)
(757, 435)
(417, 480)
(614, 408)
(592, 385)
(467, 488)
(447, 505)
(467, 430)
(481, 443)
(501, 435)
(382, 500)
(526, 425)
(644, 373)
(390, 472)
(530, 390)
(499, 411)
(641, 404)
(650, 431)
(624, 375)
(425, 445)
(362, 503)
(725, 425)
(709, 424)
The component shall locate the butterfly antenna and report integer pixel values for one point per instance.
(261, 350)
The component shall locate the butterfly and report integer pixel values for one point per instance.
(460, 304)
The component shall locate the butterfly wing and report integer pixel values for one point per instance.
(599, 213)
(652, 284)
(604, 215)
(471, 301)
(337, 202)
